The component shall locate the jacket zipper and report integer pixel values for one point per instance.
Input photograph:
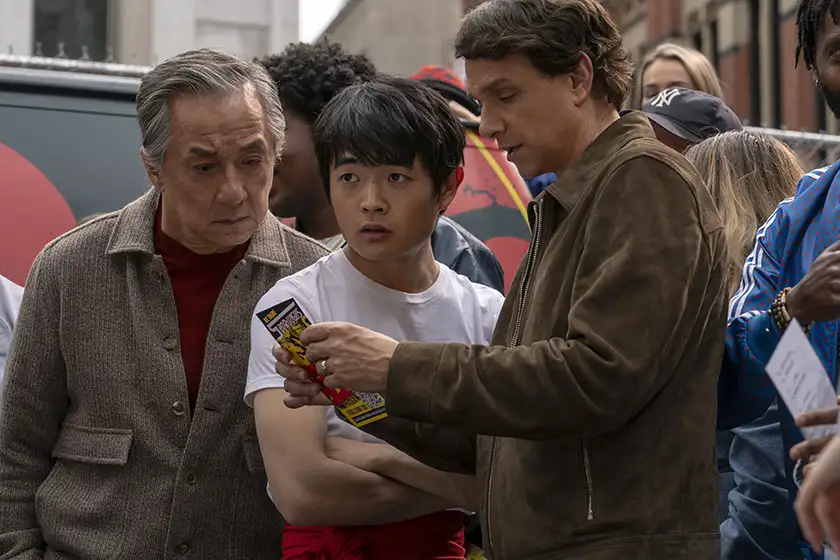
(590, 511)
(526, 278)
(514, 341)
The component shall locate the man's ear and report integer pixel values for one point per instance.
(581, 77)
(450, 189)
(152, 172)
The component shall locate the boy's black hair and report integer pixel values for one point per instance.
(309, 75)
(390, 121)
(809, 18)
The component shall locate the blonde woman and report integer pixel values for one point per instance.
(670, 65)
(748, 174)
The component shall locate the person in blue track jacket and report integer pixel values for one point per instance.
(792, 272)
(791, 242)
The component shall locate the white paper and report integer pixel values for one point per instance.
(801, 379)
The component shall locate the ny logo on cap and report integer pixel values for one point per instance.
(665, 97)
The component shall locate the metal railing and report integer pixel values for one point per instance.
(71, 65)
(815, 149)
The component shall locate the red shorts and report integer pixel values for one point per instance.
(439, 536)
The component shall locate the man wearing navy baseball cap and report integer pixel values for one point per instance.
(682, 117)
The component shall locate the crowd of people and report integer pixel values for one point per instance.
(613, 404)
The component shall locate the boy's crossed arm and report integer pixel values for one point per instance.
(310, 488)
(463, 491)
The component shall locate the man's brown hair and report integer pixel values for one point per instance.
(552, 35)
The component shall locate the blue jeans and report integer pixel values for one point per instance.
(761, 524)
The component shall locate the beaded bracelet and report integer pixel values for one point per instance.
(780, 315)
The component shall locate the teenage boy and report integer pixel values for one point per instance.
(390, 151)
(308, 76)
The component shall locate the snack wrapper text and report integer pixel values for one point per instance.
(285, 321)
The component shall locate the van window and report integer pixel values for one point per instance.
(87, 147)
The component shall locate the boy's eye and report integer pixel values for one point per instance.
(347, 178)
(397, 178)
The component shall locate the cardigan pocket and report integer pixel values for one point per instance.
(86, 496)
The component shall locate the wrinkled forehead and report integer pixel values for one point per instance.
(217, 126)
(216, 117)
(191, 108)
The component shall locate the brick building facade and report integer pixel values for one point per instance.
(750, 42)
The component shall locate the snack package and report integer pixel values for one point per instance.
(285, 321)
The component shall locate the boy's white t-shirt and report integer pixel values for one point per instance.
(10, 297)
(453, 309)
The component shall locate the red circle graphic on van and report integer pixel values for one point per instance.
(32, 213)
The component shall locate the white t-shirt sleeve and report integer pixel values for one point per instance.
(5, 342)
(10, 297)
(261, 372)
(490, 302)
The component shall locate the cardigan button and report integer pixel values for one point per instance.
(170, 343)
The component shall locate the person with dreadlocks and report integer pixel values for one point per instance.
(793, 273)
(308, 76)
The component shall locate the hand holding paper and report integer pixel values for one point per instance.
(801, 379)
(810, 448)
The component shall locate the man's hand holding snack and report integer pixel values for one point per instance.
(348, 356)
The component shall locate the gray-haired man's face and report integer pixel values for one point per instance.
(217, 171)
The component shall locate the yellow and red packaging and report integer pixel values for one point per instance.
(285, 321)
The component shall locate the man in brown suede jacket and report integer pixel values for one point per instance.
(596, 403)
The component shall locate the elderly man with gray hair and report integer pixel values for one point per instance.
(122, 428)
